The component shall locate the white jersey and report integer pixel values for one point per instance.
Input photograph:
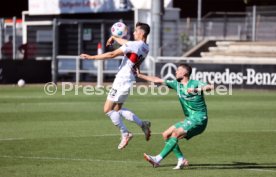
(134, 54)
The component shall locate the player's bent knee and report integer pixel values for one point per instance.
(176, 133)
(106, 110)
(165, 135)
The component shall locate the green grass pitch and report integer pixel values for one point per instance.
(69, 136)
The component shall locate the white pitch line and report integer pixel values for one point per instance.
(119, 134)
(68, 159)
(110, 135)
(259, 131)
(12, 139)
(261, 170)
(244, 131)
(103, 135)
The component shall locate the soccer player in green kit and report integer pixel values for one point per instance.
(190, 94)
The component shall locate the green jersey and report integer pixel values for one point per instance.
(191, 103)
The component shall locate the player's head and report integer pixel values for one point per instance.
(141, 31)
(182, 71)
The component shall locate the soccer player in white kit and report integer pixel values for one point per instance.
(134, 53)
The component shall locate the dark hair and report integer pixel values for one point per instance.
(145, 27)
(187, 67)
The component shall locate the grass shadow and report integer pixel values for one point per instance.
(233, 165)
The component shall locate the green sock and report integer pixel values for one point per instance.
(170, 144)
(177, 152)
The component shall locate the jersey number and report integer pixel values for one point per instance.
(112, 92)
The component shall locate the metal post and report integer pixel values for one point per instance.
(78, 63)
(239, 32)
(54, 51)
(225, 25)
(199, 7)
(254, 23)
(153, 61)
(80, 34)
(77, 70)
(1, 35)
(156, 24)
(24, 28)
(194, 34)
(14, 37)
(101, 62)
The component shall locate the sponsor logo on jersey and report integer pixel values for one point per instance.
(145, 50)
(133, 57)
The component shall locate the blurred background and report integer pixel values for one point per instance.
(230, 42)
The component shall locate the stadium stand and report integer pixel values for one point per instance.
(241, 49)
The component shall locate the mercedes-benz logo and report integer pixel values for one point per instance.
(168, 71)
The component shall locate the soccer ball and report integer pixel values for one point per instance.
(119, 29)
(21, 83)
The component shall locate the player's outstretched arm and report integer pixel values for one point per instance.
(208, 87)
(149, 78)
(104, 56)
(120, 41)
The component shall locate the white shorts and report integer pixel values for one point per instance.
(120, 90)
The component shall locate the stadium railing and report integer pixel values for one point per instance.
(74, 65)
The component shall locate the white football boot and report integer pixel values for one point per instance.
(180, 165)
(151, 160)
(124, 140)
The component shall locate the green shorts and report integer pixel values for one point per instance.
(193, 126)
